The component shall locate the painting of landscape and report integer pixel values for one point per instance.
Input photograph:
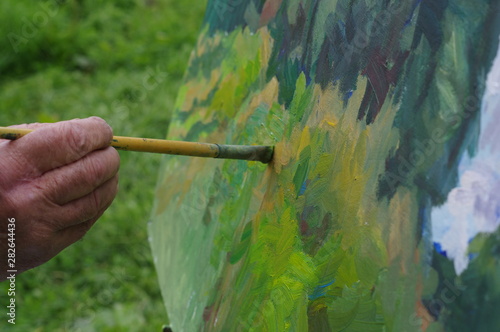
(380, 210)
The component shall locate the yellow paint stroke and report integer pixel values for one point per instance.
(305, 140)
(282, 155)
(268, 96)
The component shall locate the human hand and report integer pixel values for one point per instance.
(55, 182)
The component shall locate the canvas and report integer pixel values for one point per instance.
(380, 211)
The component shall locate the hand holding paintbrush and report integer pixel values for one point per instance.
(54, 184)
(59, 179)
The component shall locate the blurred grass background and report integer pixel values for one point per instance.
(122, 60)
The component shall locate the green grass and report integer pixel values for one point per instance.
(121, 60)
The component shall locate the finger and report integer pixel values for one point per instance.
(58, 144)
(74, 233)
(78, 179)
(87, 207)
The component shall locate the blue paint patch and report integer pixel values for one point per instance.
(320, 291)
(328, 284)
(473, 256)
(303, 188)
(348, 95)
(439, 249)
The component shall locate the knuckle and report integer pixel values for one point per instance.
(95, 170)
(77, 138)
(88, 210)
(96, 201)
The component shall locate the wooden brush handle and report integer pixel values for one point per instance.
(260, 153)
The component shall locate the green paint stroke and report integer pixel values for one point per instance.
(333, 235)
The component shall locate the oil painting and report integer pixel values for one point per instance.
(381, 207)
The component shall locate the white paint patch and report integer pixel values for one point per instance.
(474, 206)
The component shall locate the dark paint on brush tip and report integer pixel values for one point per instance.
(263, 154)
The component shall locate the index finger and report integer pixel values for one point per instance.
(54, 145)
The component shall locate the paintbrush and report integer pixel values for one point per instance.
(260, 153)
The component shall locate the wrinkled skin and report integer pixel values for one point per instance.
(56, 182)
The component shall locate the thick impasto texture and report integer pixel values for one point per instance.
(380, 211)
